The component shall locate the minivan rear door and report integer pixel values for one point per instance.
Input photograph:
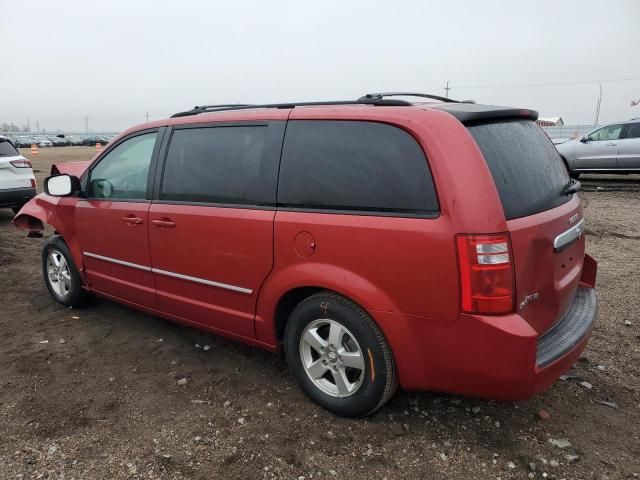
(545, 224)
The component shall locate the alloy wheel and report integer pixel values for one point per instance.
(332, 358)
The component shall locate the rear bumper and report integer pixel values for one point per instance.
(16, 196)
(500, 358)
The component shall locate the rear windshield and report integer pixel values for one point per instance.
(526, 167)
(6, 149)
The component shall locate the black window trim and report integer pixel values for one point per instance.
(162, 163)
(86, 177)
(393, 213)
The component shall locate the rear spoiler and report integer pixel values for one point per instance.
(471, 112)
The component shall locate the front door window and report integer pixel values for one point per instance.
(612, 132)
(123, 173)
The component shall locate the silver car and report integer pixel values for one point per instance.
(614, 148)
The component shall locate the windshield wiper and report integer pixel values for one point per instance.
(574, 186)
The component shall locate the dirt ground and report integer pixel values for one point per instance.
(101, 400)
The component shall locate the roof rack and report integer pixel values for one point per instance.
(380, 96)
(226, 107)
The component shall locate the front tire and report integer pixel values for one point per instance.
(339, 356)
(60, 274)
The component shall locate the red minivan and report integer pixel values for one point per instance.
(436, 245)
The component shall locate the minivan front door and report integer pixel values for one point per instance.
(112, 222)
(599, 151)
(211, 227)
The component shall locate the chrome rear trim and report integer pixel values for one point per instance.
(566, 238)
(202, 281)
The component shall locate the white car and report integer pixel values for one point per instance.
(17, 183)
(45, 143)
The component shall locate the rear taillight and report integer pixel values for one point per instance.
(33, 183)
(23, 163)
(486, 273)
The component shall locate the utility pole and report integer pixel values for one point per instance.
(37, 126)
(598, 105)
(28, 125)
(86, 123)
(446, 89)
(147, 115)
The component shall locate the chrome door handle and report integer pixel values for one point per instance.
(163, 223)
(132, 220)
(611, 144)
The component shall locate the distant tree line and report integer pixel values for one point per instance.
(12, 127)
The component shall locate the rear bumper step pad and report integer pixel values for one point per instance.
(569, 331)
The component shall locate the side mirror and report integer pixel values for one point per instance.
(61, 185)
(584, 139)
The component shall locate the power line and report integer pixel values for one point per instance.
(552, 84)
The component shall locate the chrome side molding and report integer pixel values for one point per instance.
(565, 239)
(118, 262)
(210, 283)
(202, 281)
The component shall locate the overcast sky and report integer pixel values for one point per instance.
(115, 60)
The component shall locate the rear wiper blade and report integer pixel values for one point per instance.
(574, 186)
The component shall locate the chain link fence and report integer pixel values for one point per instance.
(568, 131)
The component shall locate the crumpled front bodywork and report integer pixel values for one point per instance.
(58, 212)
(70, 168)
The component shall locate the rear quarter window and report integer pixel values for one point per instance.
(354, 166)
(527, 170)
(7, 149)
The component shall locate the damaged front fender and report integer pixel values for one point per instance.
(58, 212)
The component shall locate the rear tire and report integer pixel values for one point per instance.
(339, 356)
(60, 274)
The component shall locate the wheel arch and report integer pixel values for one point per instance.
(56, 212)
(288, 287)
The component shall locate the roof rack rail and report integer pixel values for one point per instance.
(380, 96)
(226, 107)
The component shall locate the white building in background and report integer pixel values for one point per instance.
(550, 121)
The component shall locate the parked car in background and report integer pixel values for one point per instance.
(17, 183)
(44, 143)
(74, 140)
(95, 139)
(59, 142)
(436, 246)
(614, 148)
(23, 141)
